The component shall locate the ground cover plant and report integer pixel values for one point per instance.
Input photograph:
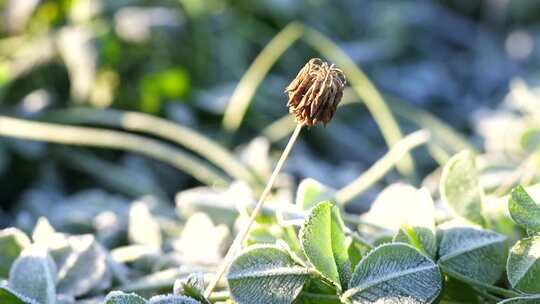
(433, 216)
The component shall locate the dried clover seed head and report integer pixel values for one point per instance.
(315, 92)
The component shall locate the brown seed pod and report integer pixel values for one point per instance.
(315, 92)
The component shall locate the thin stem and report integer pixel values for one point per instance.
(140, 122)
(382, 166)
(220, 296)
(94, 137)
(490, 288)
(243, 233)
(244, 91)
(487, 295)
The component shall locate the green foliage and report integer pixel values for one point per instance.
(174, 59)
(473, 252)
(418, 227)
(323, 242)
(523, 267)
(310, 192)
(265, 274)
(9, 296)
(524, 211)
(460, 187)
(192, 286)
(395, 271)
(12, 243)
(170, 83)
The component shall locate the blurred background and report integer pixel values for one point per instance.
(92, 63)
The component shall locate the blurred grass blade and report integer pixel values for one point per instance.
(114, 176)
(366, 91)
(25, 129)
(382, 166)
(140, 122)
(244, 91)
(440, 131)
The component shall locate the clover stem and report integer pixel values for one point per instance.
(489, 288)
(243, 233)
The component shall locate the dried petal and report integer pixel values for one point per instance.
(315, 92)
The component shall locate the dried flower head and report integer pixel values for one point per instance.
(315, 92)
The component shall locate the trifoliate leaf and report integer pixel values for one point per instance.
(460, 187)
(265, 275)
(523, 267)
(324, 244)
(394, 273)
(523, 210)
(472, 252)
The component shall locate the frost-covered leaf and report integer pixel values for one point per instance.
(33, 274)
(310, 192)
(265, 275)
(394, 273)
(57, 244)
(460, 187)
(8, 296)
(84, 268)
(534, 299)
(524, 210)
(202, 242)
(523, 267)
(143, 228)
(324, 244)
(172, 299)
(118, 297)
(472, 252)
(219, 204)
(12, 243)
(80, 210)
